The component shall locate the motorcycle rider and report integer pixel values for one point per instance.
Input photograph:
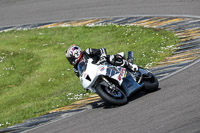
(74, 54)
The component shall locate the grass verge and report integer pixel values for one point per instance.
(35, 76)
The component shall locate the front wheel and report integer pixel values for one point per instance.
(151, 83)
(115, 97)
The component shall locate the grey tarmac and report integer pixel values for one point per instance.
(20, 12)
(172, 109)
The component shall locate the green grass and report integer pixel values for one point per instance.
(35, 76)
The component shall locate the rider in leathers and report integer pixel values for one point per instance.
(74, 55)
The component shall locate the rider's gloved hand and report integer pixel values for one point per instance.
(133, 67)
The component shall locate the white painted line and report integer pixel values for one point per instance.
(195, 62)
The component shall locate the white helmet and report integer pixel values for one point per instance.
(73, 54)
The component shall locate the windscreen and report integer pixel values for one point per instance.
(81, 67)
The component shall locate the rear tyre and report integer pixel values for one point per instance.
(115, 98)
(151, 84)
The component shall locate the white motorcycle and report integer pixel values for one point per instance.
(114, 84)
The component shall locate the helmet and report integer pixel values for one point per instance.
(73, 54)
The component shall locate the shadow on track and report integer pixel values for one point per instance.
(102, 104)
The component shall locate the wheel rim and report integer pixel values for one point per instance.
(114, 93)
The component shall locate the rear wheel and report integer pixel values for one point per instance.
(115, 97)
(151, 83)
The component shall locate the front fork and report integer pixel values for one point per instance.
(110, 85)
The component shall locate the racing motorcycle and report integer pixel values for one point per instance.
(114, 84)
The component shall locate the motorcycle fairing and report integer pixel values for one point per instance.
(89, 74)
(130, 85)
(116, 72)
(124, 78)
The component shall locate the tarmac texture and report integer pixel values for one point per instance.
(21, 12)
(187, 52)
(174, 108)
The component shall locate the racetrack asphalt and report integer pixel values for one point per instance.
(174, 108)
(20, 12)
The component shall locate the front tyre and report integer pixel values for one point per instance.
(116, 97)
(150, 84)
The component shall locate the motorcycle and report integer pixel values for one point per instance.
(114, 84)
